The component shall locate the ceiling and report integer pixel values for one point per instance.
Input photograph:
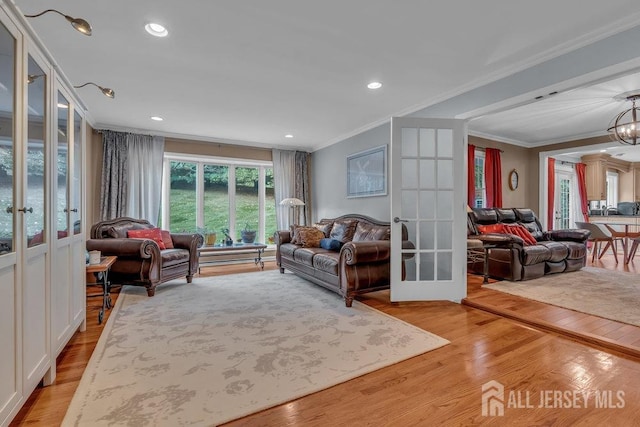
(252, 71)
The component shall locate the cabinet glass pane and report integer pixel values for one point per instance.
(445, 143)
(445, 266)
(76, 188)
(36, 154)
(62, 204)
(7, 144)
(409, 142)
(427, 143)
(409, 173)
(445, 174)
(427, 262)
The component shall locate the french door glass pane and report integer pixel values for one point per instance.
(216, 198)
(247, 203)
(7, 204)
(36, 157)
(182, 197)
(63, 167)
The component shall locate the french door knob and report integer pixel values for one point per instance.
(396, 220)
(25, 210)
(9, 209)
(74, 210)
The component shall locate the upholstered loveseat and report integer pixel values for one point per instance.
(553, 251)
(141, 261)
(360, 263)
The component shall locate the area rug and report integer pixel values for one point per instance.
(610, 294)
(228, 346)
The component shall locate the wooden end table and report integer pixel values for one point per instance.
(101, 273)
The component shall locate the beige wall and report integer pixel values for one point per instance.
(171, 145)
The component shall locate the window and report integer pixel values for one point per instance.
(481, 189)
(214, 194)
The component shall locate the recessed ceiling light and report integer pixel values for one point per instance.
(374, 85)
(288, 135)
(61, 105)
(157, 118)
(156, 29)
(603, 151)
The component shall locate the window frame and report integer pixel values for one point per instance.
(231, 163)
(481, 187)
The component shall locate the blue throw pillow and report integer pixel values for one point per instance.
(330, 244)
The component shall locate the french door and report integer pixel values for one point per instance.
(563, 203)
(428, 195)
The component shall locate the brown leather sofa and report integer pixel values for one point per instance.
(140, 261)
(361, 265)
(555, 251)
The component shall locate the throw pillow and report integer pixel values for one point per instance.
(310, 237)
(343, 230)
(295, 238)
(491, 228)
(166, 238)
(331, 244)
(371, 232)
(150, 233)
(521, 231)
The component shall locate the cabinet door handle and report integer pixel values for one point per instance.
(25, 210)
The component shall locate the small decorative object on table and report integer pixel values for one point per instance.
(227, 239)
(248, 235)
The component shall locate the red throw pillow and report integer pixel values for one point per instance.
(522, 232)
(491, 228)
(148, 233)
(166, 238)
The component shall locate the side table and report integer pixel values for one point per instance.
(101, 273)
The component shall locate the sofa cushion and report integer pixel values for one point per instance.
(120, 231)
(174, 256)
(484, 216)
(575, 250)
(558, 250)
(287, 250)
(535, 254)
(508, 216)
(327, 262)
(343, 230)
(154, 234)
(366, 231)
(331, 244)
(305, 255)
(325, 227)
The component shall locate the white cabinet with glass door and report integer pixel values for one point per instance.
(67, 284)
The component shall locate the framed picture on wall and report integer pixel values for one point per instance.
(367, 173)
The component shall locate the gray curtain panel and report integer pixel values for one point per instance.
(283, 172)
(113, 198)
(302, 186)
(146, 155)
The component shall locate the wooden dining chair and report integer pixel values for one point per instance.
(600, 234)
(634, 248)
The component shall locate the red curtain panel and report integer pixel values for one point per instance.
(493, 177)
(551, 185)
(471, 175)
(581, 172)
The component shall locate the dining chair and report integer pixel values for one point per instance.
(634, 248)
(600, 234)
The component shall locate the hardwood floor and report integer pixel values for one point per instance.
(442, 387)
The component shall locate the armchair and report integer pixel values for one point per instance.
(141, 262)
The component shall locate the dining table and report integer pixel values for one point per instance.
(625, 234)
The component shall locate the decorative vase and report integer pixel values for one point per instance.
(248, 236)
(210, 239)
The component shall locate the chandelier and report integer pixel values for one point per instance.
(626, 128)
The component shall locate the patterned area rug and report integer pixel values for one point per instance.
(228, 346)
(605, 293)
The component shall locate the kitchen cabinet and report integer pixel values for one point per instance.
(596, 176)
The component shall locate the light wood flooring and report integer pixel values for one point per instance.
(442, 387)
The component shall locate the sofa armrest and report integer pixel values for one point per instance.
(574, 235)
(191, 242)
(499, 239)
(365, 251)
(282, 236)
(130, 248)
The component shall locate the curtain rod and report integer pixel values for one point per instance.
(484, 148)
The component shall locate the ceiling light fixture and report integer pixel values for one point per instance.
(156, 30)
(78, 23)
(109, 93)
(288, 135)
(374, 85)
(157, 118)
(625, 127)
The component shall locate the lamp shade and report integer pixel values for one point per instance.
(291, 201)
